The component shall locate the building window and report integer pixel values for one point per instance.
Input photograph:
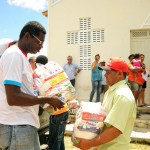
(84, 37)
(85, 57)
(85, 24)
(72, 37)
(139, 34)
(98, 35)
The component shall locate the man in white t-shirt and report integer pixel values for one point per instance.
(18, 105)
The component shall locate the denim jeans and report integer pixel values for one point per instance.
(18, 137)
(96, 86)
(56, 131)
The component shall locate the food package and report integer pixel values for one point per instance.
(73, 104)
(50, 79)
(89, 121)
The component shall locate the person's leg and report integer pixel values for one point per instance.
(102, 93)
(135, 93)
(24, 137)
(135, 90)
(141, 98)
(102, 89)
(94, 86)
(98, 91)
(105, 88)
(56, 131)
(72, 82)
(5, 136)
(142, 95)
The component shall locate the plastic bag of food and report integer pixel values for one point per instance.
(51, 79)
(73, 104)
(89, 121)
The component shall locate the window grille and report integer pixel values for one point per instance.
(72, 37)
(85, 24)
(139, 34)
(98, 36)
(85, 57)
(84, 37)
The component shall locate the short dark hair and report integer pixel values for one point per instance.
(42, 59)
(132, 55)
(32, 27)
(136, 55)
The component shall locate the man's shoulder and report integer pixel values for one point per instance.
(76, 65)
(12, 52)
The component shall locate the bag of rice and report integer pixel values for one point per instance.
(89, 121)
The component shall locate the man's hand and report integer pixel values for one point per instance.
(56, 102)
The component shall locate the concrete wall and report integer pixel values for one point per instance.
(116, 17)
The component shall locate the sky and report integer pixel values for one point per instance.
(14, 14)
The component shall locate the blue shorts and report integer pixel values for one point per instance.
(18, 137)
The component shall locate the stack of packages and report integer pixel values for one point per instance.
(73, 108)
(51, 79)
(89, 121)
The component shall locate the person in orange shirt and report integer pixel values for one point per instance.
(137, 81)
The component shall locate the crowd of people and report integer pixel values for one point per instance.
(136, 78)
(122, 84)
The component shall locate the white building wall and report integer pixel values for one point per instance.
(116, 17)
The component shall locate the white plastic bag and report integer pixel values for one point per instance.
(89, 120)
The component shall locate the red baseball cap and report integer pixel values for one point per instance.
(115, 63)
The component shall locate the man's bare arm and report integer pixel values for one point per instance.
(15, 97)
(134, 69)
(108, 135)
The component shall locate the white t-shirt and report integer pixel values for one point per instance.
(4, 45)
(16, 70)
